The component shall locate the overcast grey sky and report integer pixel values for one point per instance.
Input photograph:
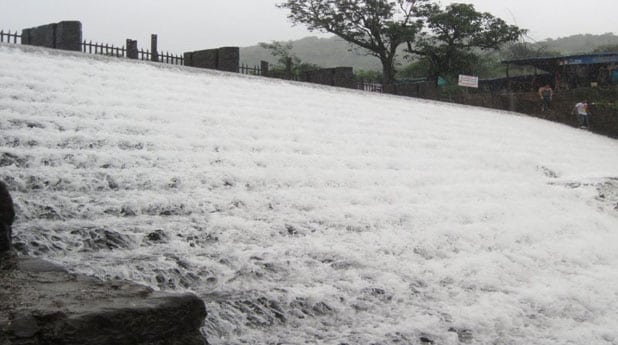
(184, 25)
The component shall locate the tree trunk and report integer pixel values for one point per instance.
(388, 75)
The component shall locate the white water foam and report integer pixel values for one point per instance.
(308, 214)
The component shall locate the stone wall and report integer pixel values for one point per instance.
(66, 35)
(338, 76)
(222, 59)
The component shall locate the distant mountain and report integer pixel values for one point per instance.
(577, 44)
(325, 52)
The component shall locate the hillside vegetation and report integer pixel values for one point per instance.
(335, 52)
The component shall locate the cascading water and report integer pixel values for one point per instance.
(304, 214)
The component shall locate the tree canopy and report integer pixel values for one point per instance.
(455, 34)
(447, 39)
(379, 26)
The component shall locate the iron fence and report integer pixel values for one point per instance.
(245, 69)
(145, 55)
(8, 36)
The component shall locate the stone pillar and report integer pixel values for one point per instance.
(228, 59)
(154, 53)
(68, 36)
(132, 49)
(7, 215)
(264, 67)
(288, 68)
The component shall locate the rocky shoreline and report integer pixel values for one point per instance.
(42, 303)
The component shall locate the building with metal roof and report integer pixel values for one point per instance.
(572, 71)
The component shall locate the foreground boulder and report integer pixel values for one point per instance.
(41, 303)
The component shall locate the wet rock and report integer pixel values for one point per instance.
(426, 340)
(464, 335)
(24, 326)
(291, 230)
(7, 216)
(96, 238)
(127, 211)
(49, 306)
(156, 236)
(7, 159)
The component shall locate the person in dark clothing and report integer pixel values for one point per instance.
(546, 93)
(7, 216)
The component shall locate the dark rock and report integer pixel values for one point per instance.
(7, 216)
(24, 326)
(106, 239)
(156, 236)
(7, 159)
(49, 306)
(127, 211)
(426, 340)
(464, 335)
(291, 230)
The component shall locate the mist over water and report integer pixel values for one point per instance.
(307, 214)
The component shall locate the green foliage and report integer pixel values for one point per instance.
(415, 69)
(368, 76)
(283, 52)
(524, 50)
(379, 26)
(454, 36)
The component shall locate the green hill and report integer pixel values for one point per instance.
(325, 52)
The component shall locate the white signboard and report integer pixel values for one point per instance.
(468, 81)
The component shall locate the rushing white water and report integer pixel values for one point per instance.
(307, 214)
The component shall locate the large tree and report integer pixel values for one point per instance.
(454, 36)
(379, 26)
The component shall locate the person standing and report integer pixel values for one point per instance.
(582, 113)
(546, 93)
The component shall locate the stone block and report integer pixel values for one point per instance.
(205, 58)
(68, 35)
(264, 66)
(188, 58)
(132, 52)
(344, 77)
(25, 36)
(42, 36)
(228, 59)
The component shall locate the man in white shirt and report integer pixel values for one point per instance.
(582, 113)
